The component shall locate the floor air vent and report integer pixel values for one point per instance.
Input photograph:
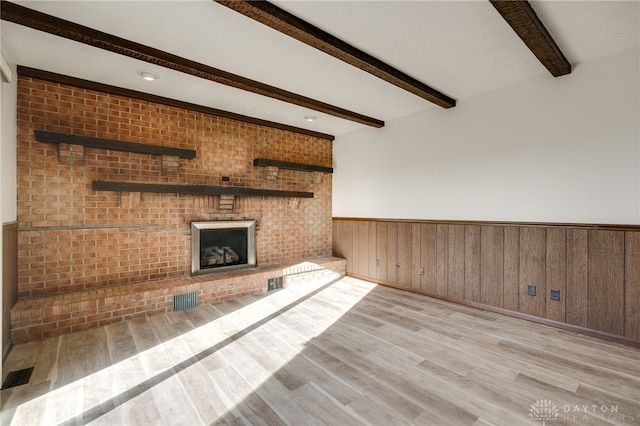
(274, 283)
(185, 301)
(17, 378)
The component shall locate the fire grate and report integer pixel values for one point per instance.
(185, 301)
(17, 378)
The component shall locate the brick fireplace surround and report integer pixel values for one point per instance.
(88, 258)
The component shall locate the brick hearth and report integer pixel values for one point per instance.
(40, 317)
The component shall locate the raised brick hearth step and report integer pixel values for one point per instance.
(53, 315)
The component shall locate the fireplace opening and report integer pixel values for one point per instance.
(222, 245)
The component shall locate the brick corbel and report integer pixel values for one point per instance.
(71, 155)
(226, 201)
(169, 164)
(270, 173)
(316, 177)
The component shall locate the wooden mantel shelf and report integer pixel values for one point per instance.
(264, 162)
(196, 189)
(112, 144)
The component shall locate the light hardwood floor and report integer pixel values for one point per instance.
(345, 353)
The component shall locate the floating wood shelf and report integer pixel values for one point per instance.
(263, 162)
(116, 145)
(196, 189)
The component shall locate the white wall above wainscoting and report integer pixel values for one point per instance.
(8, 109)
(561, 149)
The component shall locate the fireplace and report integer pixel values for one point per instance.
(219, 245)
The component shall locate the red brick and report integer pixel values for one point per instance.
(99, 317)
(43, 327)
(72, 322)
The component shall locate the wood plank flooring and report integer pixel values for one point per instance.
(345, 353)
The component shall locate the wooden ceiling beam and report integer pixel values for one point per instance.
(286, 23)
(21, 15)
(524, 21)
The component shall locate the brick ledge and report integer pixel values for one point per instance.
(52, 315)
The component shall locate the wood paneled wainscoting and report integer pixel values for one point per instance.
(594, 269)
(9, 279)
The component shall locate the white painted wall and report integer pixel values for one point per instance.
(546, 150)
(8, 158)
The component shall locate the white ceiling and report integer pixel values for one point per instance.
(461, 48)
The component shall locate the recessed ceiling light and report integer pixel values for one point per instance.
(310, 118)
(148, 75)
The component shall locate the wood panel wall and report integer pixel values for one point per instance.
(9, 279)
(596, 268)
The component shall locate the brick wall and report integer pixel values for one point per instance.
(73, 238)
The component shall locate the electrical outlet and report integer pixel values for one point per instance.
(531, 290)
(555, 294)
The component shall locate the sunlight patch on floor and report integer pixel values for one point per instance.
(235, 334)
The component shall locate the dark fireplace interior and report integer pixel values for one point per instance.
(223, 247)
(218, 245)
